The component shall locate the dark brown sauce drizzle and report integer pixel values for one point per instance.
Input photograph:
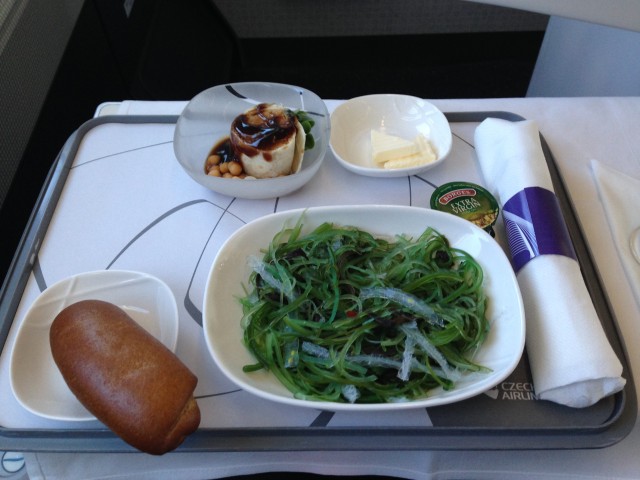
(223, 150)
(262, 129)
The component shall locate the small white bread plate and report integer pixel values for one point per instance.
(35, 379)
(399, 115)
(222, 311)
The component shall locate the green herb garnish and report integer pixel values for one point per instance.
(307, 124)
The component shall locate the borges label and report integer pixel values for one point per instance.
(463, 192)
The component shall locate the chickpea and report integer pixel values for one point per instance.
(235, 168)
(215, 166)
(213, 159)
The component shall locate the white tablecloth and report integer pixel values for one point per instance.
(577, 130)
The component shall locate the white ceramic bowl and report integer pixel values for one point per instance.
(207, 118)
(36, 381)
(222, 311)
(400, 115)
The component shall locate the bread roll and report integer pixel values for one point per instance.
(124, 376)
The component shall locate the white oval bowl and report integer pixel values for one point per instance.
(222, 312)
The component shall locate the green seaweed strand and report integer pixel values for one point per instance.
(311, 323)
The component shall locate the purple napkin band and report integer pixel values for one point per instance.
(535, 226)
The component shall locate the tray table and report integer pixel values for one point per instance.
(117, 199)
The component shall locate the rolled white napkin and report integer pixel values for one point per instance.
(572, 362)
(620, 196)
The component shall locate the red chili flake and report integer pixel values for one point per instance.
(351, 313)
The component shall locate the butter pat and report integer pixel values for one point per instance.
(386, 147)
(424, 155)
(393, 152)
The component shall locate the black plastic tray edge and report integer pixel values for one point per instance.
(299, 438)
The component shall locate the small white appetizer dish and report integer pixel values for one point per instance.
(271, 136)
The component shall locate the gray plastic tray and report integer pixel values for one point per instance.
(481, 422)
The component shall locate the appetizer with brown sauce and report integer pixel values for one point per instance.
(266, 141)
